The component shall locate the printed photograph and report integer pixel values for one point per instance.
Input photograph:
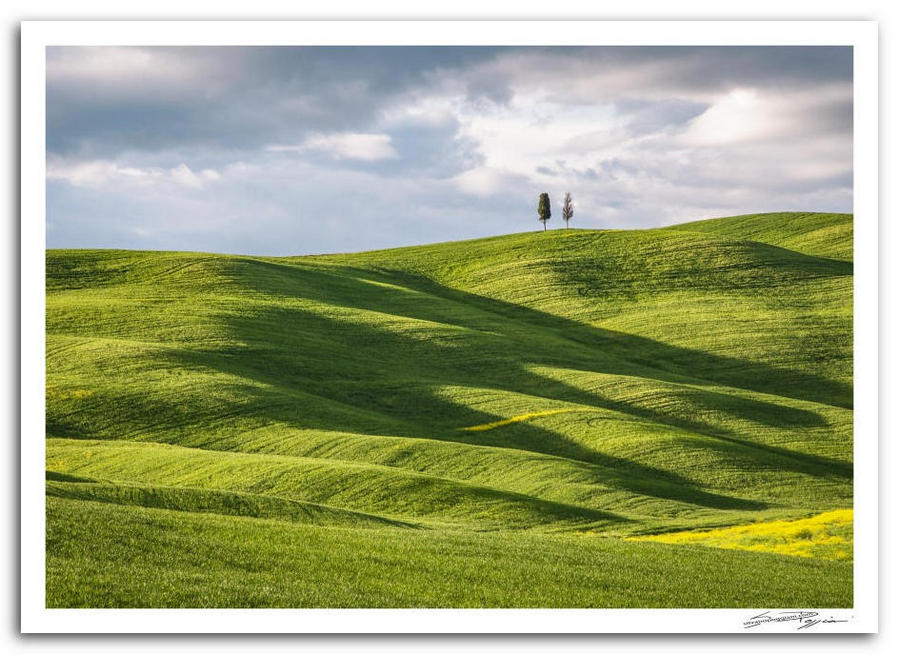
(449, 327)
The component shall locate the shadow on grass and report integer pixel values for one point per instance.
(417, 297)
(377, 372)
(313, 370)
(373, 409)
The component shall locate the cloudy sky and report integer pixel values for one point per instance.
(291, 150)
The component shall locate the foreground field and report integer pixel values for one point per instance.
(174, 559)
(466, 424)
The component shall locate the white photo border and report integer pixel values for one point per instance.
(37, 35)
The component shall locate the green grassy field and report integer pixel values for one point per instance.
(485, 423)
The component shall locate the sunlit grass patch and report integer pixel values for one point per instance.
(826, 536)
(516, 419)
(56, 392)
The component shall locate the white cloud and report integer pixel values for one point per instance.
(423, 108)
(741, 115)
(184, 176)
(482, 181)
(345, 145)
(531, 132)
(91, 174)
(100, 173)
(88, 174)
(744, 115)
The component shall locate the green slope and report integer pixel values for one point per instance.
(823, 235)
(618, 383)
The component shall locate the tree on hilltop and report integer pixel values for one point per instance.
(544, 209)
(568, 209)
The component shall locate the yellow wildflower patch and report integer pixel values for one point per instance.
(55, 392)
(826, 536)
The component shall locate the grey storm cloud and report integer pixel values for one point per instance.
(234, 97)
(305, 149)
(229, 97)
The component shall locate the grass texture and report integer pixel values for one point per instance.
(484, 423)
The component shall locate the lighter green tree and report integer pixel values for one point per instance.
(568, 209)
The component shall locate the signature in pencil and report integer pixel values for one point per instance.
(803, 619)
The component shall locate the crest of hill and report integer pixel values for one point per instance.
(811, 233)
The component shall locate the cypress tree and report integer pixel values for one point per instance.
(544, 209)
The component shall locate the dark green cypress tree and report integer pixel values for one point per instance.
(544, 209)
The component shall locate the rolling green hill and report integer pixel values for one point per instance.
(477, 423)
(822, 235)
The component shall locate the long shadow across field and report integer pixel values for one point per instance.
(657, 359)
(419, 297)
(370, 409)
(392, 375)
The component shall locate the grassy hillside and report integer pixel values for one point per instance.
(474, 423)
(822, 235)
